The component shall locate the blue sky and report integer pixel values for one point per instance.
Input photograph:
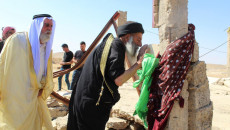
(82, 20)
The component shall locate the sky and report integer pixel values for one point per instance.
(82, 20)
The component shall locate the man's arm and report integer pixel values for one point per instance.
(129, 73)
(66, 63)
(133, 69)
(75, 60)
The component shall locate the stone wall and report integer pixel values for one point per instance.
(170, 16)
(200, 106)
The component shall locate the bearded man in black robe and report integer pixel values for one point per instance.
(90, 105)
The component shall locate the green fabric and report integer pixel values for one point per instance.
(149, 63)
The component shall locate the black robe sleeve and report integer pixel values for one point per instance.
(116, 59)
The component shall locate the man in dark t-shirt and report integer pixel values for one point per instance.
(91, 101)
(66, 64)
(77, 72)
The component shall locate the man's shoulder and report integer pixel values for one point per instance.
(18, 38)
(118, 44)
(19, 35)
(78, 52)
(71, 52)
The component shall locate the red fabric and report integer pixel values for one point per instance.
(168, 79)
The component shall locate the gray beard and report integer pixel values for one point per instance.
(131, 47)
(44, 37)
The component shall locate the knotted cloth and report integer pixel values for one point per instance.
(168, 79)
(150, 62)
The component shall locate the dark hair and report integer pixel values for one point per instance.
(82, 43)
(64, 45)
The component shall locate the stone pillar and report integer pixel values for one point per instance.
(170, 16)
(228, 54)
(122, 19)
(172, 21)
(172, 24)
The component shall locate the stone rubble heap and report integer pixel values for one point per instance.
(119, 118)
(59, 112)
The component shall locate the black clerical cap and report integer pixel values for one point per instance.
(129, 28)
(41, 15)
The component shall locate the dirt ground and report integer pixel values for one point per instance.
(220, 96)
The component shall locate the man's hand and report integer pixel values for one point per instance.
(142, 51)
(139, 62)
(40, 92)
(133, 69)
(141, 54)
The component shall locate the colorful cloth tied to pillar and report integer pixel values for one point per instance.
(150, 62)
(168, 79)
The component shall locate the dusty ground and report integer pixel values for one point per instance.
(220, 96)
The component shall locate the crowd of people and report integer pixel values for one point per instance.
(26, 76)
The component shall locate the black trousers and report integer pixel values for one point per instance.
(85, 115)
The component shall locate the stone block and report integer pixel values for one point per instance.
(51, 102)
(178, 118)
(58, 112)
(117, 123)
(121, 114)
(156, 19)
(156, 8)
(201, 119)
(54, 124)
(60, 123)
(135, 127)
(122, 19)
(196, 74)
(195, 56)
(124, 115)
(155, 2)
(199, 97)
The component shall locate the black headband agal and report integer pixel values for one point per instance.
(41, 15)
